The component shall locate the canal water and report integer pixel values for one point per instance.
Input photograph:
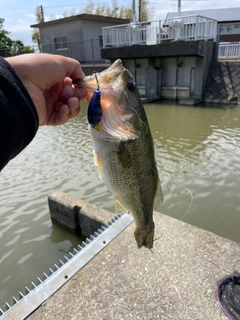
(198, 157)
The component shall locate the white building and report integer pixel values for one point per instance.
(78, 36)
(228, 21)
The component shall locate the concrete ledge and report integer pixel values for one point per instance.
(171, 49)
(76, 215)
(175, 92)
(177, 282)
(191, 101)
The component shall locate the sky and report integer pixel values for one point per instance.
(19, 14)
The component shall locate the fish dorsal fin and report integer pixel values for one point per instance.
(116, 125)
(119, 208)
(158, 196)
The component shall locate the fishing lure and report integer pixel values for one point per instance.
(95, 109)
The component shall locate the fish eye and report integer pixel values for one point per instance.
(131, 85)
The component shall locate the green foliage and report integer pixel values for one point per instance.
(117, 11)
(5, 41)
(232, 97)
(145, 14)
(19, 48)
(9, 47)
(39, 14)
(40, 19)
(36, 38)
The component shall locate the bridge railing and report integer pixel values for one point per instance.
(160, 31)
(228, 50)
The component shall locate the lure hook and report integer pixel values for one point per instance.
(98, 85)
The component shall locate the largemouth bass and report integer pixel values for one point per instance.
(123, 146)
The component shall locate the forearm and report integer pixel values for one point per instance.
(18, 116)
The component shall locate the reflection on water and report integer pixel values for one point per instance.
(197, 149)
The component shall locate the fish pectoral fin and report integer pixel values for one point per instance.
(95, 158)
(158, 196)
(119, 208)
(118, 127)
(97, 162)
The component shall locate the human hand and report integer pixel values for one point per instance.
(47, 79)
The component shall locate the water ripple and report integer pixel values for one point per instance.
(197, 149)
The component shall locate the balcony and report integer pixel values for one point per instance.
(229, 51)
(188, 28)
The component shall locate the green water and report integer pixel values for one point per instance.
(198, 157)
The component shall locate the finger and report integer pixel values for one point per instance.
(74, 106)
(67, 81)
(66, 93)
(65, 112)
(69, 91)
(80, 93)
(73, 68)
(60, 117)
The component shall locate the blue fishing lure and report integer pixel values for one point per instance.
(95, 109)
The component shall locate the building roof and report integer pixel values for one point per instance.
(221, 15)
(83, 16)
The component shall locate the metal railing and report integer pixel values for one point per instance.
(86, 51)
(228, 50)
(160, 31)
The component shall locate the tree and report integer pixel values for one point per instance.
(144, 13)
(19, 48)
(5, 41)
(90, 7)
(9, 47)
(40, 19)
(117, 11)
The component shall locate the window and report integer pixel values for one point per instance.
(237, 26)
(61, 43)
(229, 29)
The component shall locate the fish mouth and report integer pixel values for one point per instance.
(112, 83)
(102, 79)
(116, 108)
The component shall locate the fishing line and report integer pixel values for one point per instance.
(191, 199)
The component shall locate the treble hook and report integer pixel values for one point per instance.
(98, 85)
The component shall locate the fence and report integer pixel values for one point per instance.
(228, 50)
(160, 31)
(89, 51)
(86, 51)
(4, 52)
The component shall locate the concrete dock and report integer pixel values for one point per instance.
(177, 281)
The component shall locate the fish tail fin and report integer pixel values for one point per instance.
(145, 238)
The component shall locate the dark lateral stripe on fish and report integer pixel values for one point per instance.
(95, 109)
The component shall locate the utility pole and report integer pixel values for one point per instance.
(140, 11)
(133, 12)
(179, 8)
(41, 8)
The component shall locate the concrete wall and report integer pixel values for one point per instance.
(72, 30)
(175, 70)
(223, 83)
(83, 37)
